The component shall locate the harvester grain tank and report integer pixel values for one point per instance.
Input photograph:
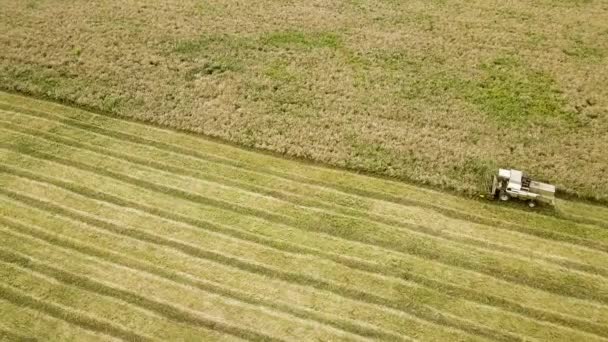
(509, 184)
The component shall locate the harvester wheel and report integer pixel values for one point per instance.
(503, 196)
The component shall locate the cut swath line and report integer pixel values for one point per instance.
(79, 319)
(8, 335)
(44, 286)
(585, 220)
(472, 295)
(450, 236)
(184, 171)
(415, 310)
(94, 269)
(164, 309)
(545, 283)
(67, 243)
(303, 180)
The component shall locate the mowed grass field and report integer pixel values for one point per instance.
(113, 229)
(438, 92)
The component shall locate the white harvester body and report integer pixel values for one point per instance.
(516, 184)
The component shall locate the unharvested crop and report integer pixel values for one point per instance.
(114, 229)
(437, 92)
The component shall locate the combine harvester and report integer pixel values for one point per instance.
(516, 184)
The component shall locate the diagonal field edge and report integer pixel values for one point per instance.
(289, 198)
(235, 163)
(479, 243)
(287, 176)
(297, 178)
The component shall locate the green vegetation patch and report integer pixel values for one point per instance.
(511, 92)
(221, 54)
(210, 43)
(278, 70)
(283, 89)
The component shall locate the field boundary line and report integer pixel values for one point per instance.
(234, 162)
(584, 220)
(450, 212)
(467, 239)
(185, 279)
(466, 294)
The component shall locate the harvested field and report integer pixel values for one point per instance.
(436, 92)
(113, 229)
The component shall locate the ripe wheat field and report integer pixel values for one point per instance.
(436, 92)
(116, 230)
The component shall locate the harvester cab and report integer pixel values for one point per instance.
(509, 184)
